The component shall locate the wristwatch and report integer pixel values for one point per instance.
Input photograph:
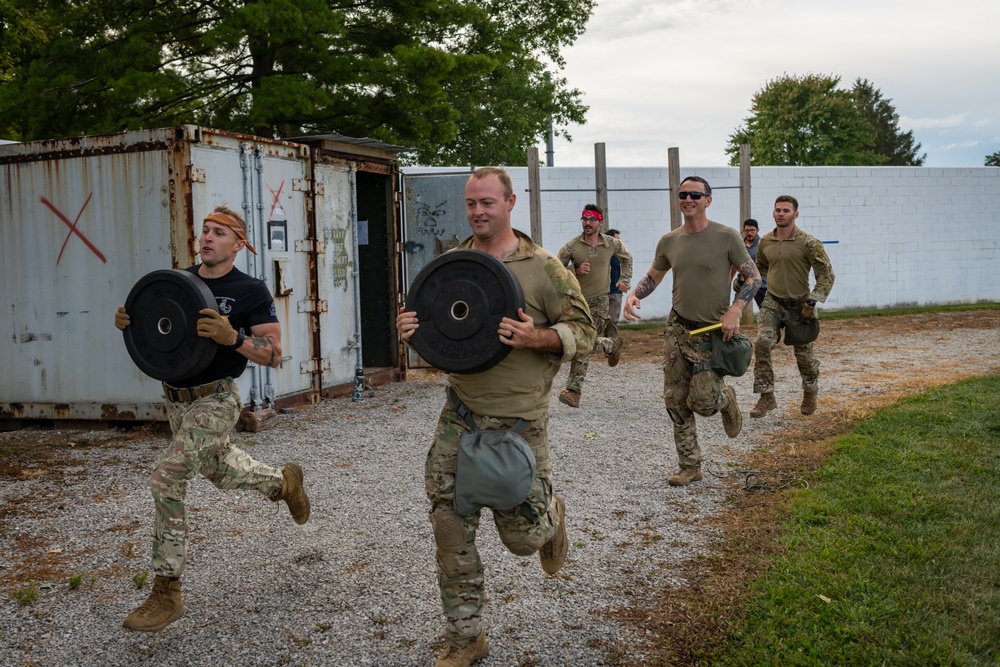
(239, 341)
(810, 302)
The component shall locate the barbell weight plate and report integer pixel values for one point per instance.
(162, 337)
(460, 298)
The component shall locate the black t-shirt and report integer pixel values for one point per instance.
(246, 302)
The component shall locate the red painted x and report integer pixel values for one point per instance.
(73, 229)
(274, 194)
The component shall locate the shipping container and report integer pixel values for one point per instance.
(83, 219)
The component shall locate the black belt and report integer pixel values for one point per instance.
(220, 388)
(689, 324)
(787, 303)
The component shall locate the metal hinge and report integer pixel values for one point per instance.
(312, 306)
(309, 367)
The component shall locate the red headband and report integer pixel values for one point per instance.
(592, 214)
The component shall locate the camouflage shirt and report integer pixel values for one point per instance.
(520, 385)
(786, 265)
(598, 280)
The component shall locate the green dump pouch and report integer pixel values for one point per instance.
(729, 357)
(798, 332)
(495, 469)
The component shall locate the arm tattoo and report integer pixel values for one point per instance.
(645, 287)
(260, 343)
(752, 276)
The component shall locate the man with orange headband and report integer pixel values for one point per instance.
(204, 408)
(590, 254)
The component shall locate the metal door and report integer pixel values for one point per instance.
(435, 222)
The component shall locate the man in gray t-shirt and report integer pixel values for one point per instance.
(702, 255)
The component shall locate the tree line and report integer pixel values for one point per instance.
(462, 81)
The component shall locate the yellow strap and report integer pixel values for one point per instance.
(710, 327)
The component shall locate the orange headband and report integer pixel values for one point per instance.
(229, 221)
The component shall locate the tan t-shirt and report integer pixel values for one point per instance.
(598, 281)
(521, 384)
(701, 265)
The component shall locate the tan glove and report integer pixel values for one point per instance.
(122, 319)
(808, 313)
(216, 327)
(738, 282)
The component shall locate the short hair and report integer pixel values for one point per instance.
(225, 210)
(790, 199)
(594, 207)
(612, 232)
(699, 179)
(750, 222)
(503, 176)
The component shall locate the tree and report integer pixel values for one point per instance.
(992, 160)
(804, 121)
(408, 73)
(892, 146)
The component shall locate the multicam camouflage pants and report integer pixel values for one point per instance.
(578, 368)
(614, 314)
(200, 444)
(459, 569)
(769, 319)
(686, 392)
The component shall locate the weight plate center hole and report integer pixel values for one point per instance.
(164, 325)
(459, 310)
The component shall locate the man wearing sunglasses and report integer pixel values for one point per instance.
(591, 253)
(702, 254)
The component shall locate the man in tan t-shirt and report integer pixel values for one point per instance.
(590, 253)
(554, 326)
(703, 255)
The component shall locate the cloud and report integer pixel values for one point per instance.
(954, 120)
(631, 19)
(959, 146)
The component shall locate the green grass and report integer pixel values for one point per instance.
(893, 555)
(845, 314)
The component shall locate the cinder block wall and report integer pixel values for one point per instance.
(896, 235)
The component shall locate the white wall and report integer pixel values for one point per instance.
(895, 235)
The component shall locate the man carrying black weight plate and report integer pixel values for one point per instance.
(554, 326)
(204, 408)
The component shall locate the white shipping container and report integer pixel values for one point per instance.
(81, 220)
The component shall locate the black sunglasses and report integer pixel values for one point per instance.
(684, 194)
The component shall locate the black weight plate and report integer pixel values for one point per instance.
(460, 298)
(162, 338)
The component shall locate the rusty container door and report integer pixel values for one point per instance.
(268, 181)
(81, 220)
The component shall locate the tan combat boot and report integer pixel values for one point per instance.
(616, 352)
(570, 398)
(293, 492)
(161, 608)
(732, 420)
(809, 402)
(463, 657)
(685, 476)
(765, 404)
(553, 552)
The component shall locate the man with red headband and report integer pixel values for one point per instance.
(590, 254)
(203, 409)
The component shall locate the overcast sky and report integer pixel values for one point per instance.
(658, 74)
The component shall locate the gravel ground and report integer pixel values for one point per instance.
(356, 585)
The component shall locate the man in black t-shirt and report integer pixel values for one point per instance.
(203, 409)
